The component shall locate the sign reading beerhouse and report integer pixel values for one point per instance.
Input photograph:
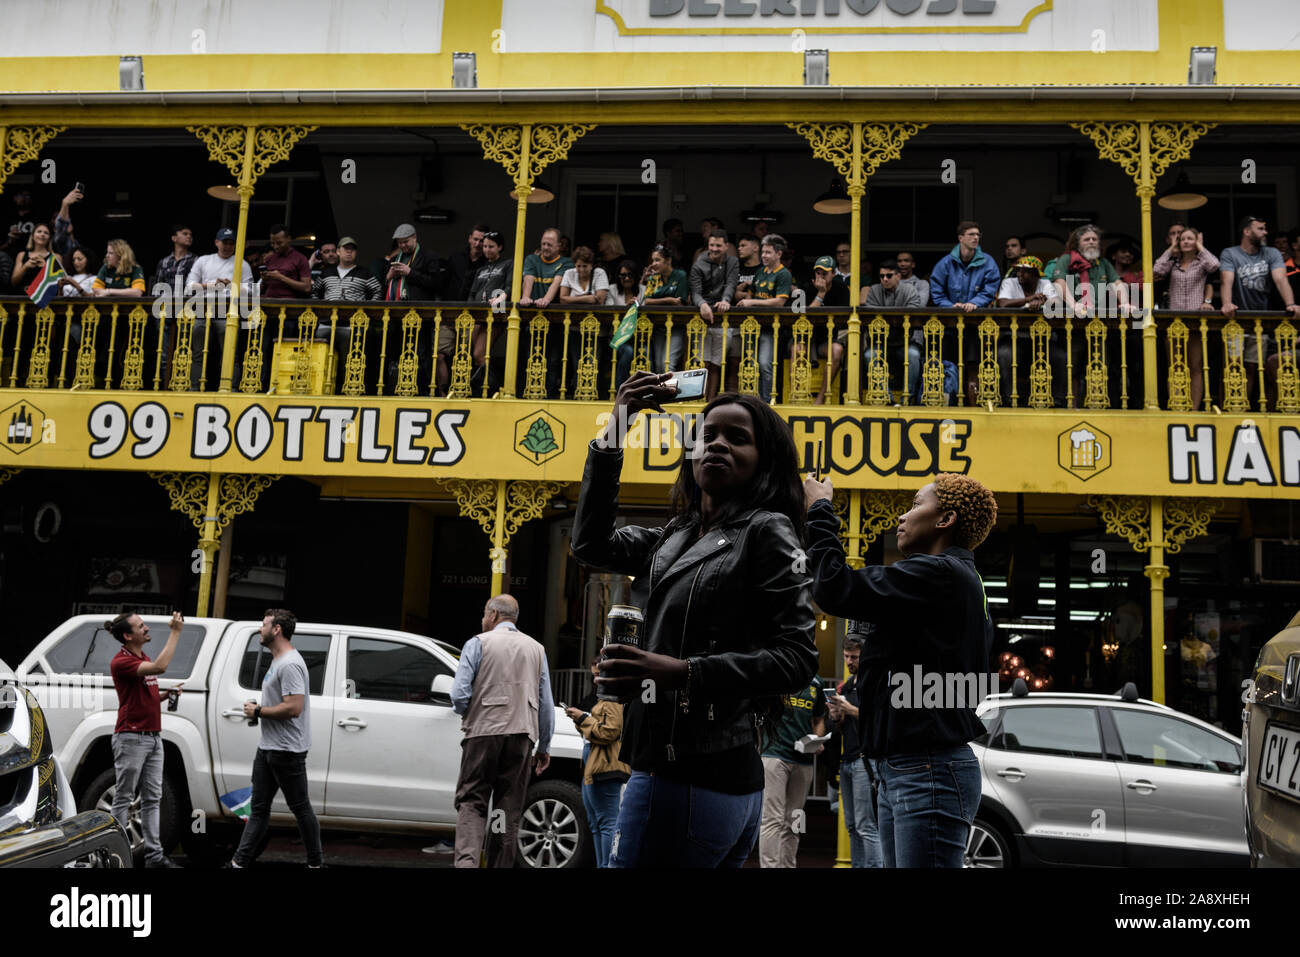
(697, 16)
(1062, 451)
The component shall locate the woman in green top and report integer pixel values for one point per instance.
(120, 276)
(666, 286)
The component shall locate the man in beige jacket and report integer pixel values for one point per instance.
(503, 693)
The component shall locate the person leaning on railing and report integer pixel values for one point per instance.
(491, 286)
(892, 293)
(1188, 265)
(773, 286)
(1253, 278)
(120, 276)
(665, 285)
(967, 279)
(1086, 280)
(713, 278)
(1026, 289)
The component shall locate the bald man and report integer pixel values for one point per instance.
(503, 693)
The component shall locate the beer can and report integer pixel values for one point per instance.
(625, 625)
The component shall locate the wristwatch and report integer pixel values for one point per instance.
(257, 712)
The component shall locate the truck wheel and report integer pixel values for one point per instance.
(553, 829)
(99, 796)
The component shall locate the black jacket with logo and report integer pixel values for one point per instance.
(734, 599)
(929, 611)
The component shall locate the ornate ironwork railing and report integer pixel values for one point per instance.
(928, 357)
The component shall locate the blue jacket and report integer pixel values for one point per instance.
(954, 281)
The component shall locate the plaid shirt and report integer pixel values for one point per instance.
(173, 271)
(1186, 285)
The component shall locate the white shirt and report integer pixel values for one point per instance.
(1011, 289)
(211, 267)
(85, 285)
(571, 281)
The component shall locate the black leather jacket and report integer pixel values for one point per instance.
(736, 601)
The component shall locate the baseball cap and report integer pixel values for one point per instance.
(403, 231)
(825, 262)
(347, 241)
(224, 233)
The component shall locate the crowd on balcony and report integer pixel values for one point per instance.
(753, 271)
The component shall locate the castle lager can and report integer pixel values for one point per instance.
(625, 625)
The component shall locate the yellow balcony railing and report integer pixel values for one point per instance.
(930, 357)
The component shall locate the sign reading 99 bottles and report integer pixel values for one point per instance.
(1058, 451)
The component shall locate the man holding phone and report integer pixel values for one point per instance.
(137, 736)
(855, 785)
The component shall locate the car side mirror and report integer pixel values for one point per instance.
(442, 689)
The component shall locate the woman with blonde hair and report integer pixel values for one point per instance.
(610, 249)
(120, 276)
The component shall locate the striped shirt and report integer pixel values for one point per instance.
(357, 286)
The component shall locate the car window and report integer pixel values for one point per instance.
(381, 670)
(315, 651)
(1167, 742)
(1041, 729)
(89, 648)
(989, 719)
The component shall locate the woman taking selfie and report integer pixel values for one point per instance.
(930, 614)
(728, 619)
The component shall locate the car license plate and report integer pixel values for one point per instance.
(1279, 760)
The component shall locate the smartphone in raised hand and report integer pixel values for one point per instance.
(689, 385)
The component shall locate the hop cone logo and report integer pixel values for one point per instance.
(540, 439)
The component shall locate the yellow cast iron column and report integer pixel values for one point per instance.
(523, 151)
(498, 543)
(209, 540)
(1147, 189)
(1155, 525)
(1145, 150)
(1157, 571)
(21, 144)
(246, 151)
(523, 189)
(853, 359)
(211, 501)
(856, 150)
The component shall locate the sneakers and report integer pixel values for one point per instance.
(231, 863)
(161, 862)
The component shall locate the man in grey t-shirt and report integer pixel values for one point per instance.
(281, 761)
(1249, 273)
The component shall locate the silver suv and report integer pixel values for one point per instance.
(1104, 780)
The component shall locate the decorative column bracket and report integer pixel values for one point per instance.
(22, 144)
(547, 144)
(7, 474)
(833, 142)
(1129, 516)
(229, 144)
(1122, 143)
(188, 493)
(879, 513)
(501, 507)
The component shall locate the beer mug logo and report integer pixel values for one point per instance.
(1085, 450)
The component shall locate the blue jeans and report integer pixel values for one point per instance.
(600, 799)
(926, 805)
(859, 816)
(666, 823)
(913, 369)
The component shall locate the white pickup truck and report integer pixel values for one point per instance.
(385, 742)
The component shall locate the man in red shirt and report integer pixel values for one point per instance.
(137, 736)
(286, 273)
